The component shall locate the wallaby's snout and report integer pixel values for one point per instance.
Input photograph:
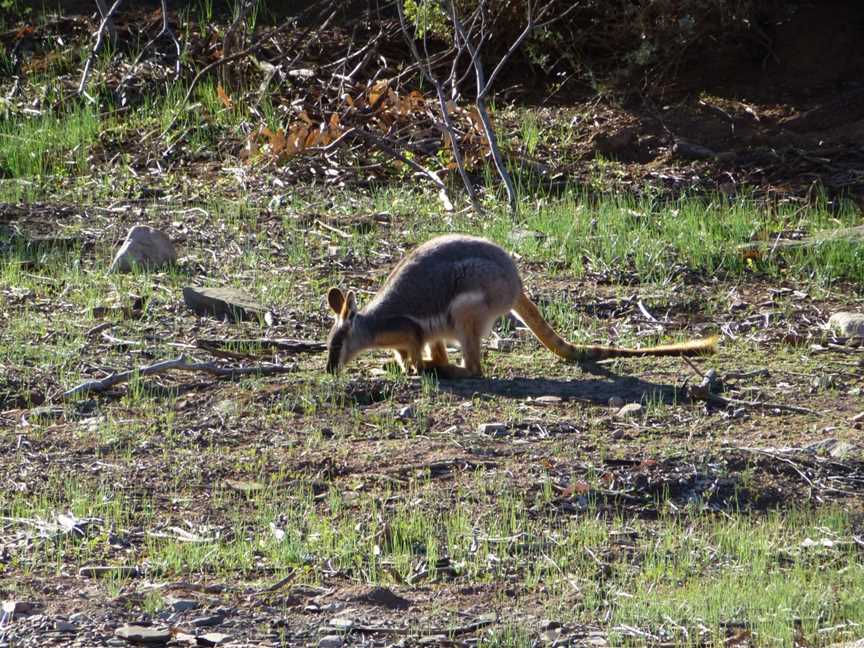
(332, 364)
(344, 309)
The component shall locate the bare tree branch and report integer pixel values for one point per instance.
(447, 122)
(166, 29)
(482, 89)
(100, 38)
(103, 11)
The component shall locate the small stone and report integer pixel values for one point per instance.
(341, 623)
(616, 402)
(406, 412)
(847, 324)
(61, 625)
(387, 598)
(180, 604)
(331, 641)
(492, 429)
(691, 151)
(230, 303)
(505, 345)
(213, 639)
(833, 447)
(143, 634)
(630, 410)
(843, 450)
(184, 637)
(145, 247)
(207, 621)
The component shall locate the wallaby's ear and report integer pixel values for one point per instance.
(349, 307)
(336, 300)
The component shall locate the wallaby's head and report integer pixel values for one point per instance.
(348, 337)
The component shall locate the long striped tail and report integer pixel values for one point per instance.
(528, 313)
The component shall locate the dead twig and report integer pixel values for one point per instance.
(179, 364)
(103, 12)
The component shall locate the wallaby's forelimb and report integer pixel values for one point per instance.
(529, 313)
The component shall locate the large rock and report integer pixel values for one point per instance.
(847, 324)
(146, 248)
(223, 302)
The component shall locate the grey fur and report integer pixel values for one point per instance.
(425, 285)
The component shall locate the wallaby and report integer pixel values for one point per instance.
(453, 288)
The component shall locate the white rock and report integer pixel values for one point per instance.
(341, 623)
(847, 324)
(145, 247)
(406, 412)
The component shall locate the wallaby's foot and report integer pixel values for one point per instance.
(449, 371)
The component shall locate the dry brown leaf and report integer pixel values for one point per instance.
(378, 90)
(223, 96)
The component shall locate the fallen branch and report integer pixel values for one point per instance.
(180, 364)
(704, 391)
(282, 344)
(840, 234)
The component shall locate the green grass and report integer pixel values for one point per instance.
(685, 572)
(48, 144)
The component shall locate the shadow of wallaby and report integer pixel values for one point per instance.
(591, 390)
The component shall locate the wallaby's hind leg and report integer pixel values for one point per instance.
(438, 352)
(471, 326)
(440, 364)
(402, 360)
(409, 358)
